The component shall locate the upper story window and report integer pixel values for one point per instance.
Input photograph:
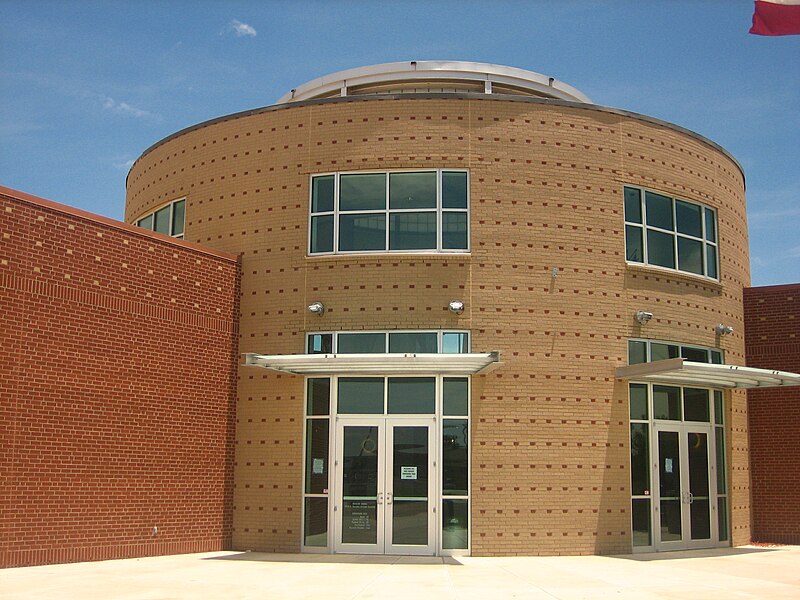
(168, 219)
(394, 342)
(671, 233)
(403, 211)
(644, 351)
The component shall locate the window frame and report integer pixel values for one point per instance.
(710, 351)
(674, 233)
(151, 215)
(439, 210)
(440, 333)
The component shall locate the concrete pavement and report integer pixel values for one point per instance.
(729, 573)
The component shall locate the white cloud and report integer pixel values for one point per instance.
(123, 108)
(124, 165)
(240, 29)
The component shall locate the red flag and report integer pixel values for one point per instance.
(776, 17)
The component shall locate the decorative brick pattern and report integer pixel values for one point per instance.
(772, 320)
(118, 388)
(550, 427)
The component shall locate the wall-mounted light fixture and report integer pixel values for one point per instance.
(456, 306)
(723, 329)
(317, 308)
(554, 272)
(643, 316)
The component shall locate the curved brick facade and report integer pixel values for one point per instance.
(550, 445)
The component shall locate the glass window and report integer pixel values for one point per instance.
(455, 396)
(322, 194)
(695, 405)
(716, 357)
(412, 230)
(361, 343)
(361, 232)
(454, 231)
(719, 435)
(454, 189)
(640, 459)
(316, 456)
(694, 354)
(362, 192)
(634, 248)
(719, 408)
(455, 342)
(389, 212)
(413, 343)
(638, 400)
(637, 352)
(670, 233)
(666, 402)
(412, 395)
(360, 395)
(641, 521)
(455, 457)
(320, 343)
(711, 225)
(690, 255)
(659, 210)
(146, 223)
(455, 524)
(315, 525)
(633, 205)
(322, 233)
(178, 217)
(412, 190)
(161, 221)
(319, 396)
(689, 218)
(660, 249)
(663, 351)
(169, 219)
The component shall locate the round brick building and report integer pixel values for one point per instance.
(459, 278)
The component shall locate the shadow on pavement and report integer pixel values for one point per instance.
(684, 554)
(363, 559)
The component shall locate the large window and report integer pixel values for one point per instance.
(642, 351)
(382, 342)
(404, 211)
(671, 233)
(168, 219)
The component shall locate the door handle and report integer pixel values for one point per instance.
(691, 497)
(380, 498)
(388, 497)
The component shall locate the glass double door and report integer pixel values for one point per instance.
(683, 470)
(384, 486)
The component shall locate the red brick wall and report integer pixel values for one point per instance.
(117, 388)
(772, 337)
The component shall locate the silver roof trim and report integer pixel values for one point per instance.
(679, 371)
(389, 364)
(422, 70)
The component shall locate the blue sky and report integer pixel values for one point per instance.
(86, 87)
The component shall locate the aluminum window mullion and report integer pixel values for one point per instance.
(387, 212)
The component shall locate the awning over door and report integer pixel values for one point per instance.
(679, 371)
(388, 364)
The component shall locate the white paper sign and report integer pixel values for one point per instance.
(317, 466)
(668, 465)
(408, 472)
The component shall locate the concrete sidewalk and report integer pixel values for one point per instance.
(746, 572)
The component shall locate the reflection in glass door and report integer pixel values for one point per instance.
(683, 506)
(384, 486)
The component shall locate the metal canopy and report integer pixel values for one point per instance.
(391, 364)
(679, 371)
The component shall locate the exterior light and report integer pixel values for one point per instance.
(456, 306)
(723, 329)
(317, 308)
(554, 272)
(643, 317)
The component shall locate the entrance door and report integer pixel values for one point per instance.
(683, 506)
(384, 486)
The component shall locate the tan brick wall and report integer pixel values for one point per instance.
(550, 428)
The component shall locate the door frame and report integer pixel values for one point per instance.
(385, 488)
(683, 428)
